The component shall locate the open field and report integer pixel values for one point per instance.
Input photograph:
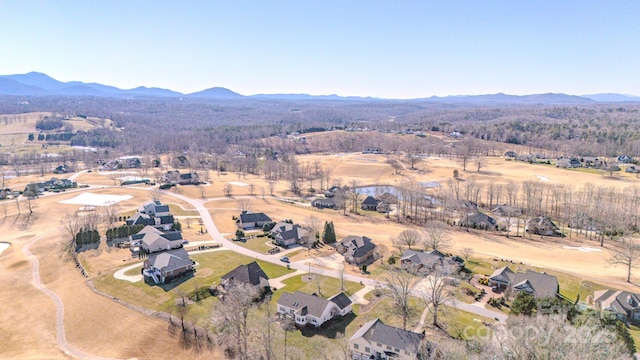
(29, 328)
(28, 323)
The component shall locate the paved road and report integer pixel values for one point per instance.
(198, 204)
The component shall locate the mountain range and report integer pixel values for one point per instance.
(39, 84)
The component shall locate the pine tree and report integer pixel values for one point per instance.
(329, 233)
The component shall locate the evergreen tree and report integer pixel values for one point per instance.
(329, 233)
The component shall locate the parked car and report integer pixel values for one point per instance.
(284, 259)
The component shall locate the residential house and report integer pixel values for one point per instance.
(58, 184)
(164, 223)
(250, 220)
(479, 220)
(568, 163)
(369, 203)
(622, 304)
(325, 203)
(154, 208)
(506, 210)
(250, 274)
(286, 234)
(540, 285)
(510, 154)
(357, 250)
(632, 169)
(129, 162)
(313, 310)
(542, 225)
(152, 240)
(376, 340)
(175, 177)
(165, 266)
(595, 162)
(624, 159)
(62, 169)
(421, 261)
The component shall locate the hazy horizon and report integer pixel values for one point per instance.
(361, 48)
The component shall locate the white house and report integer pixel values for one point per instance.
(312, 309)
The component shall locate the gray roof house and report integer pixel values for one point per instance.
(416, 261)
(357, 250)
(376, 340)
(250, 274)
(165, 266)
(311, 309)
(286, 234)
(542, 225)
(153, 240)
(159, 222)
(325, 203)
(479, 220)
(369, 203)
(250, 220)
(540, 285)
(154, 208)
(622, 304)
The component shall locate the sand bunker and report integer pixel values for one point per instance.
(238, 183)
(4, 246)
(581, 248)
(543, 178)
(96, 199)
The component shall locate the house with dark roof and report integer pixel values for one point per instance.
(423, 262)
(542, 225)
(369, 203)
(567, 163)
(249, 220)
(152, 240)
(286, 234)
(506, 210)
(624, 159)
(159, 222)
(623, 305)
(313, 310)
(163, 267)
(325, 203)
(479, 220)
(376, 340)
(357, 250)
(153, 213)
(154, 208)
(250, 274)
(175, 177)
(540, 285)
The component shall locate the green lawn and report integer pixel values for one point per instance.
(634, 331)
(570, 286)
(134, 271)
(257, 244)
(462, 324)
(328, 286)
(211, 266)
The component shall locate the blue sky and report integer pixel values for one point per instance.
(391, 49)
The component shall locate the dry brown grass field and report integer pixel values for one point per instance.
(15, 128)
(99, 326)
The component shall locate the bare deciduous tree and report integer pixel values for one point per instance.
(436, 291)
(409, 238)
(230, 318)
(313, 223)
(400, 285)
(437, 236)
(627, 254)
(228, 189)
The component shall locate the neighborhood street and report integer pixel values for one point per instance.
(303, 266)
